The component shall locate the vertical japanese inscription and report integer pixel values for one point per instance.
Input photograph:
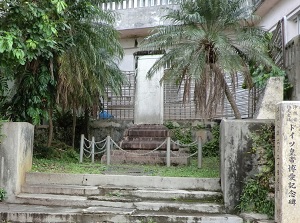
(277, 164)
(292, 167)
(287, 162)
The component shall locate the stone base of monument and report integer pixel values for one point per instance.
(180, 157)
(146, 144)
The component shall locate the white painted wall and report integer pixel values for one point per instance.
(130, 46)
(148, 107)
(284, 8)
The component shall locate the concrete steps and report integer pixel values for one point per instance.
(20, 213)
(117, 199)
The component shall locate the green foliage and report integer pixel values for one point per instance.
(58, 150)
(32, 98)
(182, 134)
(256, 192)
(199, 43)
(56, 53)
(261, 74)
(255, 198)
(2, 194)
(211, 148)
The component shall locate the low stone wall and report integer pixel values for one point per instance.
(15, 156)
(115, 128)
(237, 159)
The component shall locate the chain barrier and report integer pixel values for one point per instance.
(138, 154)
(109, 145)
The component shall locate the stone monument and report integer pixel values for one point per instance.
(287, 162)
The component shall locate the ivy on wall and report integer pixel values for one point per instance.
(258, 191)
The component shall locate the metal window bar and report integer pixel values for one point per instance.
(278, 51)
(122, 107)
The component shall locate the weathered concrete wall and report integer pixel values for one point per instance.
(237, 161)
(116, 128)
(15, 156)
(272, 95)
(113, 128)
(139, 18)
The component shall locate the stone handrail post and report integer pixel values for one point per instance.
(199, 152)
(81, 148)
(108, 147)
(168, 151)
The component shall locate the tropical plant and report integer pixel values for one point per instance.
(211, 42)
(58, 52)
(88, 67)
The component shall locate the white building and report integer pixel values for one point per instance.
(136, 20)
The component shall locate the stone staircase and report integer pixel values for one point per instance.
(145, 139)
(91, 198)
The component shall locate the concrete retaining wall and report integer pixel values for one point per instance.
(15, 156)
(116, 128)
(237, 160)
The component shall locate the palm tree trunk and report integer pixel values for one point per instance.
(227, 91)
(50, 134)
(74, 125)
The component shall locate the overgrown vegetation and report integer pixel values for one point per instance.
(58, 150)
(2, 194)
(54, 53)
(211, 148)
(182, 134)
(261, 74)
(258, 192)
(185, 136)
(209, 169)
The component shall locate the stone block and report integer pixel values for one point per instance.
(273, 94)
(237, 161)
(287, 162)
(154, 157)
(15, 156)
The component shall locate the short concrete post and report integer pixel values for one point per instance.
(199, 152)
(168, 151)
(93, 149)
(15, 156)
(81, 148)
(108, 150)
(287, 162)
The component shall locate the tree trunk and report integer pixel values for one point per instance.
(50, 134)
(227, 91)
(74, 126)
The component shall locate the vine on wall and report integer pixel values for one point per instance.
(258, 192)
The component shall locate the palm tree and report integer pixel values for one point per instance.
(90, 65)
(208, 41)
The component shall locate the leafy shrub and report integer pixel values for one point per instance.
(181, 134)
(258, 192)
(58, 150)
(211, 148)
(255, 198)
(2, 194)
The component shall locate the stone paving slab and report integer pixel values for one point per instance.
(60, 189)
(18, 213)
(179, 207)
